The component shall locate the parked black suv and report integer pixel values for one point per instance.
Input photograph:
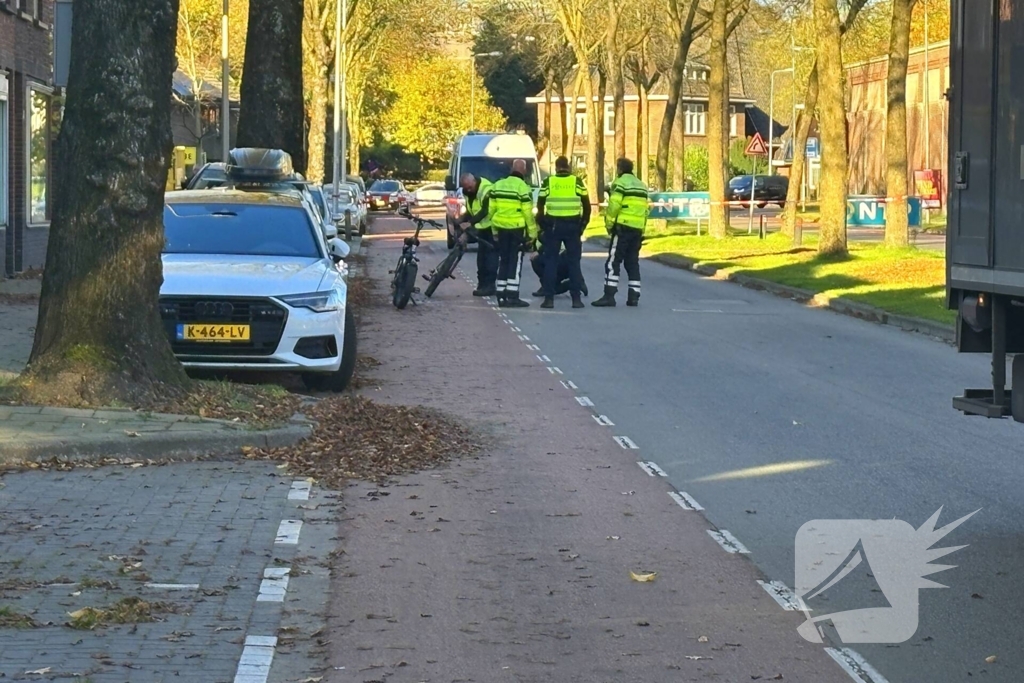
(767, 189)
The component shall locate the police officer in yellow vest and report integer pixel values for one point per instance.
(563, 210)
(625, 219)
(475, 192)
(510, 209)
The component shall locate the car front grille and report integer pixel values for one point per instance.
(265, 318)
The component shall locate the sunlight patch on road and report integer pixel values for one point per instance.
(766, 470)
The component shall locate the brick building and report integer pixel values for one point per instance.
(866, 114)
(695, 97)
(26, 132)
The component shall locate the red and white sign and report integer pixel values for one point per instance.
(928, 186)
(756, 147)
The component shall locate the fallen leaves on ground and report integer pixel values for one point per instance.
(356, 438)
(643, 577)
(126, 611)
(259, 405)
(10, 618)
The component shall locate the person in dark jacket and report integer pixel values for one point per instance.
(563, 280)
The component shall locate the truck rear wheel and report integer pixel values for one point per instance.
(1017, 388)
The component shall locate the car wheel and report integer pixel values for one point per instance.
(338, 381)
(313, 381)
(761, 205)
(782, 205)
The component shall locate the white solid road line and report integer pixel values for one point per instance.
(685, 501)
(855, 665)
(728, 542)
(783, 595)
(173, 586)
(626, 442)
(652, 469)
(274, 584)
(257, 656)
(300, 490)
(603, 420)
(288, 532)
(584, 401)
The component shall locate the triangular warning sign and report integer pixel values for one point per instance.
(756, 147)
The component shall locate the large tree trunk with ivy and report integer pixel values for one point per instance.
(896, 183)
(318, 94)
(831, 105)
(99, 336)
(272, 108)
(802, 130)
(717, 131)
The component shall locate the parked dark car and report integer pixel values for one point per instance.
(385, 194)
(768, 189)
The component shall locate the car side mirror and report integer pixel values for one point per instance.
(339, 249)
(330, 231)
(449, 183)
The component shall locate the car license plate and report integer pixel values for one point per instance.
(213, 333)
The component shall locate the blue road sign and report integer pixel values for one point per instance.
(813, 148)
(864, 211)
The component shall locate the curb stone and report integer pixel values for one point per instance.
(154, 446)
(840, 305)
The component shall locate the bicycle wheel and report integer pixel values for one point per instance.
(444, 270)
(405, 281)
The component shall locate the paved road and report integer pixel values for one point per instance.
(771, 414)
(514, 566)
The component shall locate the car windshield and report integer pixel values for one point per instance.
(239, 230)
(318, 195)
(739, 180)
(384, 186)
(494, 169)
(207, 178)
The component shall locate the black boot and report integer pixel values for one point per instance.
(512, 300)
(576, 302)
(583, 288)
(633, 298)
(485, 291)
(549, 302)
(539, 293)
(608, 299)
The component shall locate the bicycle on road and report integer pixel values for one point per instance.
(404, 283)
(446, 267)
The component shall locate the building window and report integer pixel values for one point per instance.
(581, 122)
(30, 7)
(934, 85)
(609, 118)
(38, 152)
(579, 160)
(695, 118)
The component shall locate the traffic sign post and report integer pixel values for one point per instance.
(755, 148)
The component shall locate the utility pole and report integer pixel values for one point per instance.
(225, 88)
(927, 94)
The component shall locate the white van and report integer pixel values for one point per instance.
(490, 156)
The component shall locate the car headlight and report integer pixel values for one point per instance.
(319, 302)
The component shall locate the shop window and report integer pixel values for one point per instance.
(40, 133)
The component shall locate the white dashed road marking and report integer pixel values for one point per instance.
(507, 321)
(556, 371)
(782, 594)
(274, 584)
(626, 442)
(543, 359)
(533, 347)
(515, 329)
(300, 490)
(651, 469)
(257, 656)
(603, 420)
(728, 542)
(685, 501)
(855, 665)
(288, 532)
(173, 586)
(584, 401)
(524, 338)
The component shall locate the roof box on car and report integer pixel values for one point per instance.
(255, 165)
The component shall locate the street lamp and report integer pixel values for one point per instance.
(771, 116)
(472, 86)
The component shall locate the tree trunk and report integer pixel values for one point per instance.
(675, 87)
(602, 91)
(318, 105)
(717, 130)
(896, 184)
(593, 132)
(618, 106)
(549, 88)
(563, 116)
(834, 155)
(99, 335)
(272, 112)
(679, 153)
(802, 130)
(641, 133)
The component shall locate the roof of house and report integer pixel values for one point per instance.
(695, 86)
(181, 86)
